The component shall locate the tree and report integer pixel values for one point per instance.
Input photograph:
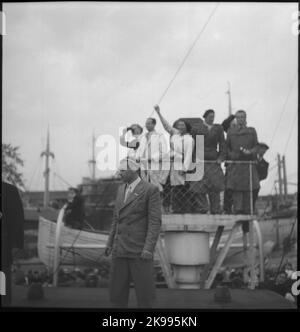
(11, 161)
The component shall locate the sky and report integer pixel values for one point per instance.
(89, 67)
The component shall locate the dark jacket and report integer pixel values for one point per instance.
(75, 212)
(214, 143)
(238, 175)
(136, 223)
(262, 169)
(12, 223)
(214, 148)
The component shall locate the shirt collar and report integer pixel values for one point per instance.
(133, 184)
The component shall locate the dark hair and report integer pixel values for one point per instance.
(187, 125)
(226, 123)
(241, 111)
(153, 120)
(206, 113)
(74, 189)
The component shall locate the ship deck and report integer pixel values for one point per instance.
(165, 298)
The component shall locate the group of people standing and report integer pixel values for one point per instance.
(169, 165)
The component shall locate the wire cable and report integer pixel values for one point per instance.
(186, 56)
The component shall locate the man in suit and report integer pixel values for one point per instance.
(134, 233)
(12, 233)
(153, 148)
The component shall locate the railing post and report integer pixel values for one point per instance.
(57, 248)
(251, 233)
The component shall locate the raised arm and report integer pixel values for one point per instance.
(132, 144)
(171, 130)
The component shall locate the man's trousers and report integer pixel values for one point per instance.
(141, 272)
(6, 299)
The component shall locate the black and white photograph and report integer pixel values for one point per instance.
(149, 158)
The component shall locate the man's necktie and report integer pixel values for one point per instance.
(127, 192)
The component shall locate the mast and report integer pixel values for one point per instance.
(93, 160)
(229, 100)
(285, 189)
(47, 154)
(279, 178)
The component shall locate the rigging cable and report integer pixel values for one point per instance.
(186, 56)
(284, 106)
(290, 133)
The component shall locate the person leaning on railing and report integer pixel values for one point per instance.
(242, 146)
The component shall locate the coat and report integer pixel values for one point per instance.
(238, 175)
(214, 148)
(136, 223)
(12, 223)
(74, 214)
(262, 169)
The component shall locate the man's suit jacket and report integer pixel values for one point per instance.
(136, 223)
(12, 223)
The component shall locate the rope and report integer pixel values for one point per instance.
(290, 132)
(284, 253)
(34, 173)
(62, 180)
(64, 257)
(186, 56)
(284, 106)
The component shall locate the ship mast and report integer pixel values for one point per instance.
(229, 100)
(93, 160)
(47, 154)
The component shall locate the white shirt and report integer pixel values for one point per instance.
(130, 188)
(153, 145)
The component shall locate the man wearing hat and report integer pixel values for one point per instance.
(242, 149)
(262, 166)
(134, 233)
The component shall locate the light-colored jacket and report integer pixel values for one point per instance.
(181, 152)
(151, 153)
(136, 223)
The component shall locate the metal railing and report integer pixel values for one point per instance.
(187, 196)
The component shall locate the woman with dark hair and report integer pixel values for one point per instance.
(212, 182)
(181, 151)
